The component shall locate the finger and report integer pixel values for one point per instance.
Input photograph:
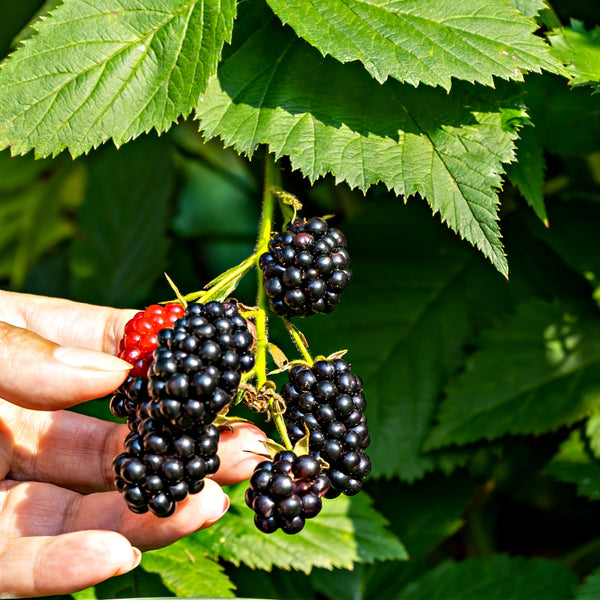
(38, 373)
(43, 509)
(237, 452)
(77, 451)
(66, 322)
(43, 566)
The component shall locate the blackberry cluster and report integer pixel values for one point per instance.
(306, 268)
(328, 400)
(194, 375)
(285, 492)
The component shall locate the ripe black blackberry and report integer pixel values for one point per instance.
(306, 268)
(328, 400)
(283, 493)
(194, 375)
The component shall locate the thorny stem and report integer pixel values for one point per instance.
(260, 319)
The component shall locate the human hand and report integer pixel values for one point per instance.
(63, 527)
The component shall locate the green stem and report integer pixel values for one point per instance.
(260, 319)
(300, 342)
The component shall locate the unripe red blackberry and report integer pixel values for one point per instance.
(286, 491)
(306, 268)
(136, 347)
(193, 375)
(328, 399)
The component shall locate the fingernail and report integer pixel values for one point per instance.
(136, 559)
(226, 505)
(89, 359)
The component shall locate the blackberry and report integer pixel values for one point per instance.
(328, 400)
(306, 268)
(286, 491)
(194, 374)
(136, 347)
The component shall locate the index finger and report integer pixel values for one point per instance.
(66, 322)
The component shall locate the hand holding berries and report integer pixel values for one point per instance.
(194, 374)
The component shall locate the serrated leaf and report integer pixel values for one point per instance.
(188, 572)
(497, 577)
(533, 372)
(573, 464)
(422, 41)
(109, 69)
(590, 588)
(347, 530)
(121, 247)
(527, 172)
(579, 49)
(405, 318)
(449, 149)
(530, 8)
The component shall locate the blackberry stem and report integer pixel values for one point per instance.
(264, 236)
(300, 341)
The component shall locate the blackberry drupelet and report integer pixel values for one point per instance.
(328, 400)
(283, 493)
(306, 268)
(194, 374)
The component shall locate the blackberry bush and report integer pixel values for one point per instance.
(306, 268)
(286, 491)
(327, 399)
(193, 376)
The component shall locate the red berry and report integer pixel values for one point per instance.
(139, 339)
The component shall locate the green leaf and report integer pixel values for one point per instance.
(405, 319)
(530, 8)
(527, 172)
(573, 464)
(449, 149)
(121, 247)
(347, 530)
(187, 571)
(579, 49)
(497, 577)
(533, 372)
(590, 588)
(422, 41)
(425, 514)
(109, 69)
(135, 584)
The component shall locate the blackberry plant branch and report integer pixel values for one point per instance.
(300, 341)
(260, 319)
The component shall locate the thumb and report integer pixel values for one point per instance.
(39, 374)
(63, 564)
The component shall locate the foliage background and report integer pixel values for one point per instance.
(483, 392)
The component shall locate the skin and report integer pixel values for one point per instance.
(63, 527)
